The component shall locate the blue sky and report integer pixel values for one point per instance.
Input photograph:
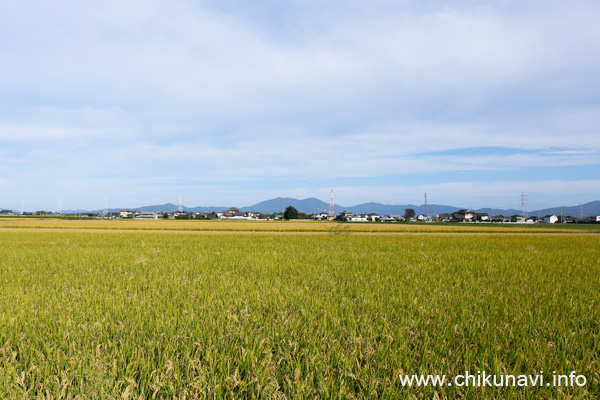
(232, 102)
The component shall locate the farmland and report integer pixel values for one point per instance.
(178, 309)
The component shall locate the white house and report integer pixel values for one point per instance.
(238, 215)
(126, 214)
(550, 219)
(320, 216)
(358, 218)
(148, 215)
(482, 216)
(373, 217)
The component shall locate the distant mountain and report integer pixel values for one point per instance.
(308, 206)
(585, 210)
(173, 207)
(156, 208)
(497, 211)
(86, 211)
(386, 209)
(312, 205)
(167, 207)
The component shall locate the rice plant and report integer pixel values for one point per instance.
(89, 312)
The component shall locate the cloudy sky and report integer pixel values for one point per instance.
(230, 102)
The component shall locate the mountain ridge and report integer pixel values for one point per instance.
(313, 205)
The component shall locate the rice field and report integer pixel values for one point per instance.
(195, 309)
(285, 226)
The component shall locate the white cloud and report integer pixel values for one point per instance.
(155, 92)
(51, 124)
(174, 56)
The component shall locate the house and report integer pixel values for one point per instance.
(126, 214)
(484, 217)
(228, 213)
(445, 217)
(357, 218)
(550, 219)
(366, 217)
(424, 218)
(236, 214)
(373, 217)
(200, 214)
(463, 215)
(344, 216)
(320, 217)
(147, 215)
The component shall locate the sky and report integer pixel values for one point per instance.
(230, 102)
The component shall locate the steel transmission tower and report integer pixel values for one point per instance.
(523, 205)
(426, 215)
(331, 206)
(180, 206)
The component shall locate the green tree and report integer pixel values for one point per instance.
(408, 214)
(290, 213)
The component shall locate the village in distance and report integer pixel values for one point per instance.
(314, 209)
